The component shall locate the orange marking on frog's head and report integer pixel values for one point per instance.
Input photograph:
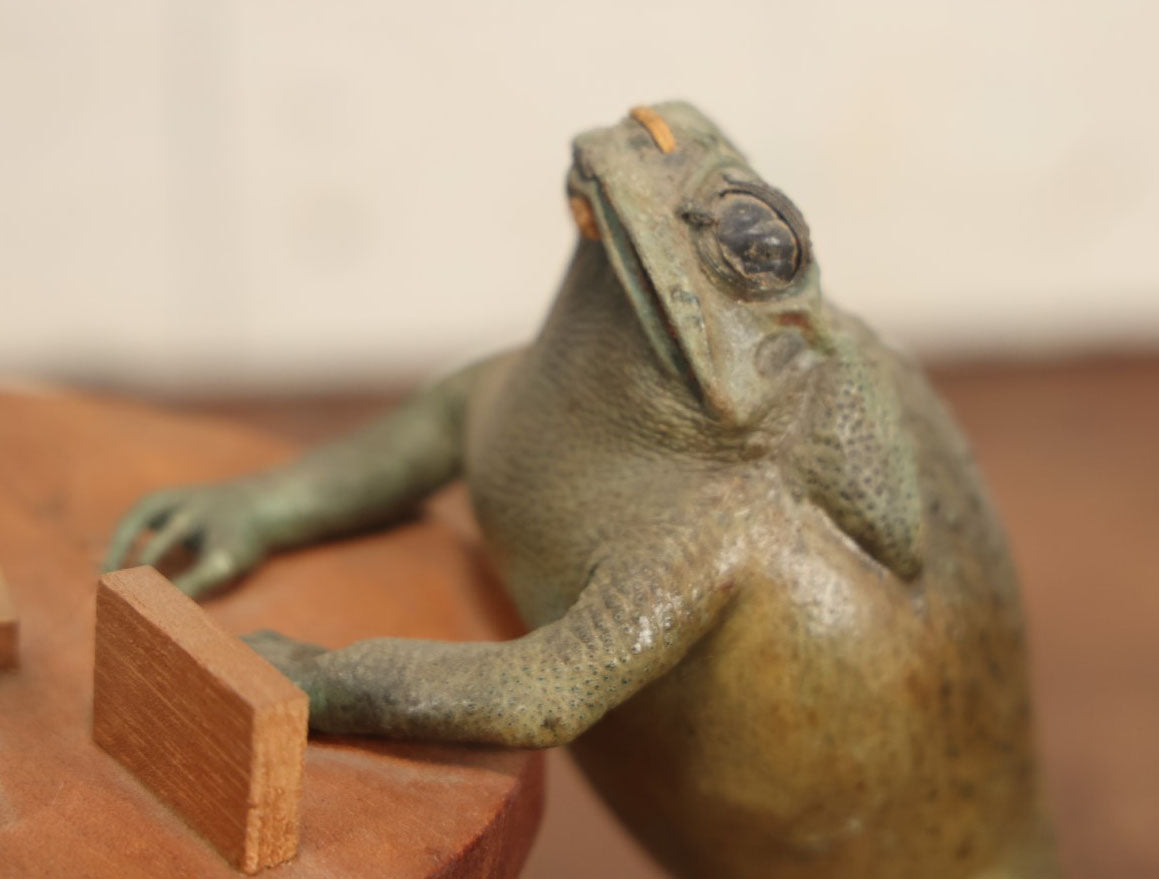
(656, 126)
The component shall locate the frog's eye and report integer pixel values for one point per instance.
(750, 235)
(755, 240)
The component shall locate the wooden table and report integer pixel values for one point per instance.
(69, 466)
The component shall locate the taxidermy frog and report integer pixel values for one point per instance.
(770, 607)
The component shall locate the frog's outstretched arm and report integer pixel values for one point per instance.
(360, 481)
(377, 473)
(632, 623)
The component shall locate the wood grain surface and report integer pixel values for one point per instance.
(208, 725)
(69, 466)
(9, 629)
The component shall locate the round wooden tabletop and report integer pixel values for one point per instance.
(69, 466)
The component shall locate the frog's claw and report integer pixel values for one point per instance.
(211, 570)
(149, 512)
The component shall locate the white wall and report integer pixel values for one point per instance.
(299, 191)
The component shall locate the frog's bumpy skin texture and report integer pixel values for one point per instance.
(857, 463)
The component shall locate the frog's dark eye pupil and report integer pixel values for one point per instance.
(755, 240)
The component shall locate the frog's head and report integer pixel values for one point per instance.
(716, 263)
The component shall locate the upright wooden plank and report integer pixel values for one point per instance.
(209, 726)
(9, 629)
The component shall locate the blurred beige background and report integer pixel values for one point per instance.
(294, 194)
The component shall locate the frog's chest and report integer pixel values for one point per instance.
(551, 491)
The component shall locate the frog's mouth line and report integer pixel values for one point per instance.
(649, 307)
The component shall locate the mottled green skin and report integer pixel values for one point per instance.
(769, 603)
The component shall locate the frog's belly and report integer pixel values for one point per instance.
(862, 734)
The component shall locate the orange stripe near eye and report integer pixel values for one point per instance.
(656, 126)
(585, 219)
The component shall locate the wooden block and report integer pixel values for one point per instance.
(214, 730)
(9, 629)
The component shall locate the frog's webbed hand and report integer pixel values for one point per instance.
(633, 622)
(218, 521)
(360, 481)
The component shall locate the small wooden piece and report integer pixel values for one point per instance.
(209, 726)
(9, 629)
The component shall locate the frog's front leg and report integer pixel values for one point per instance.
(633, 621)
(363, 480)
